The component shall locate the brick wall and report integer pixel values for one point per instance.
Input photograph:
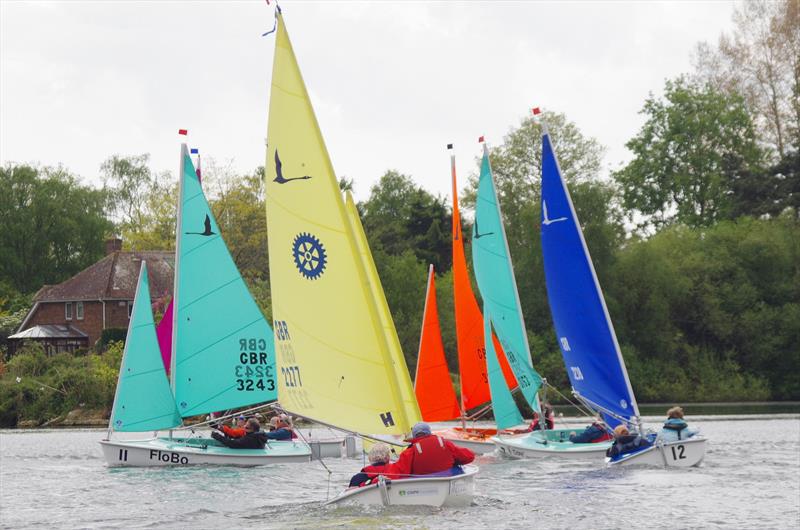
(92, 322)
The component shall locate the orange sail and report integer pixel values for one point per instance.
(469, 323)
(432, 384)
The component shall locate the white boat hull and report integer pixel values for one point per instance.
(177, 452)
(455, 490)
(538, 445)
(682, 453)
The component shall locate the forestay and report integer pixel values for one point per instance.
(585, 334)
(337, 363)
(143, 400)
(495, 275)
(223, 347)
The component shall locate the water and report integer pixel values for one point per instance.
(750, 479)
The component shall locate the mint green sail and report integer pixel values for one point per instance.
(224, 354)
(506, 413)
(143, 401)
(494, 273)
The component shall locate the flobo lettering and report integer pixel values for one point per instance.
(164, 456)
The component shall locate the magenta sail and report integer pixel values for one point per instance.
(164, 334)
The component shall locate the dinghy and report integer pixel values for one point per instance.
(340, 359)
(432, 382)
(438, 489)
(586, 336)
(221, 359)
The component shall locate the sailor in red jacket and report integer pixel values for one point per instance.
(233, 432)
(430, 454)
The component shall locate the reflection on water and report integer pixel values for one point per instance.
(751, 478)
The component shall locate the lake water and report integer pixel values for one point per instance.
(749, 479)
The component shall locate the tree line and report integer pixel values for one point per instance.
(696, 241)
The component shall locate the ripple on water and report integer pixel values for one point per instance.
(59, 476)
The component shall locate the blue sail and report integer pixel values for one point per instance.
(506, 413)
(585, 334)
(224, 353)
(495, 276)
(143, 401)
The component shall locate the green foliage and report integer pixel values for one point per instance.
(712, 311)
(37, 387)
(110, 335)
(695, 143)
(400, 216)
(53, 226)
(142, 202)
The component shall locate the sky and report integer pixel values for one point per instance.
(391, 82)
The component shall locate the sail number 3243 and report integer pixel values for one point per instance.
(255, 371)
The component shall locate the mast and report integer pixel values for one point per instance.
(184, 153)
(458, 229)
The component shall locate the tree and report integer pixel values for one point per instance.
(53, 227)
(761, 61)
(695, 143)
(143, 203)
(400, 216)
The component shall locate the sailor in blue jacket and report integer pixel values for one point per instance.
(675, 428)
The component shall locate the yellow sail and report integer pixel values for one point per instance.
(334, 361)
(406, 388)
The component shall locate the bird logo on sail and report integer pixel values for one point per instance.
(207, 231)
(477, 235)
(280, 179)
(309, 255)
(546, 221)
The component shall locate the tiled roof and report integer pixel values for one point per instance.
(115, 277)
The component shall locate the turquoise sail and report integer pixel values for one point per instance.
(224, 350)
(506, 413)
(491, 261)
(143, 401)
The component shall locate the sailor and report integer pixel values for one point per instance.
(675, 428)
(379, 464)
(233, 432)
(430, 454)
(549, 417)
(254, 437)
(625, 442)
(596, 432)
(280, 428)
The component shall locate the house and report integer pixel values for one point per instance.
(74, 313)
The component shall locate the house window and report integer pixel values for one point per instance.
(68, 310)
(79, 310)
(130, 309)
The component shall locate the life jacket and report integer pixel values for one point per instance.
(233, 432)
(379, 468)
(430, 454)
(677, 425)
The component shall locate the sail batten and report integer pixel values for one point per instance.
(585, 332)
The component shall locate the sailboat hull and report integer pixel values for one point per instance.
(477, 440)
(682, 453)
(457, 490)
(198, 451)
(549, 444)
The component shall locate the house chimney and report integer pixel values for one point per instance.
(113, 245)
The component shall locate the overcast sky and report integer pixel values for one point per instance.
(392, 82)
